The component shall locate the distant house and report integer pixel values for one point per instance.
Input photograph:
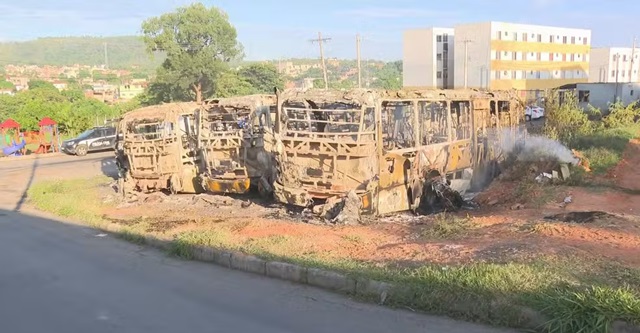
(60, 85)
(601, 95)
(130, 90)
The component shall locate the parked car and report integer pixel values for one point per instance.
(533, 113)
(94, 139)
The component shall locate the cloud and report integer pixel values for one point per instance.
(384, 12)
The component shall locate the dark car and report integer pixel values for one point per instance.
(94, 139)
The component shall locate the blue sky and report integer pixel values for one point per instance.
(271, 29)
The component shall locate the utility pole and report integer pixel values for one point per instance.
(324, 67)
(358, 57)
(106, 56)
(466, 61)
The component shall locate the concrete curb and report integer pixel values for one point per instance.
(30, 157)
(370, 289)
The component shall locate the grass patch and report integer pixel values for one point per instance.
(532, 193)
(76, 198)
(447, 226)
(132, 237)
(576, 294)
(604, 148)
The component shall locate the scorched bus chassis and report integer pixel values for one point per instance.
(235, 139)
(156, 149)
(392, 148)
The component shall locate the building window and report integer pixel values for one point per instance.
(539, 38)
(497, 55)
(623, 73)
(583, 96)
(550, 56)
(573, 57)
(439, 38)
(573, 40)
(584, 41)
(537, 74)
(550, 39)
(506, 53)
(539, 56)
(439, 56)
(514, 56)
(564, 39)
(439, 75)
(525, 37)
(499, 35)
(613, 73)
(624, 58)
(445, 38)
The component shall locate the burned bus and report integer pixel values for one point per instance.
(387, 146)
(235, 138)
(156, 149)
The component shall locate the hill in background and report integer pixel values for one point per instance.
(122, 52)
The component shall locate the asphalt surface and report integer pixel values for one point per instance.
(59, 277)
(16, 175)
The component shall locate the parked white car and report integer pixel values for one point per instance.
(533, 113)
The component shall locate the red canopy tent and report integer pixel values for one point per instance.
(46, 121)
(52, 144)
(10, 123)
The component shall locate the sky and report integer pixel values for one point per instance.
(279, 29)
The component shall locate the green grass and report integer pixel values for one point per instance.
(447, 226)
(76, 198)
(575, 294)
(604, 148)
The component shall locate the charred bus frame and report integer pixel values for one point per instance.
(385, 145)
(157, 149)
(235, 137)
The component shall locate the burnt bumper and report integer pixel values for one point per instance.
(217, 186)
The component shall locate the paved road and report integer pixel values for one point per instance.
(57, 277)
(17, 175)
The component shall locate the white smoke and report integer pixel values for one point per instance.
(533, 148)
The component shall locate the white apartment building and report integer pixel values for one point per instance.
(428, 58)
(524, 57)
(614, 64)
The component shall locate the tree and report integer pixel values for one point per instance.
(389, 76)
(231, 83)
(199, 42)
(39, 84)
(6, 85)
(263, 77)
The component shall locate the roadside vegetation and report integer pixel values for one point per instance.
(570, 293)
(601, 136)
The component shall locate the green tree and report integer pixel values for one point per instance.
(564, 119)
(231, 83)
(84, 74)
(6, 85)
(263, 77)
(40, 84)
(389, 76)
(199, 42)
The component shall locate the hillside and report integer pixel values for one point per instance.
(123, 52)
